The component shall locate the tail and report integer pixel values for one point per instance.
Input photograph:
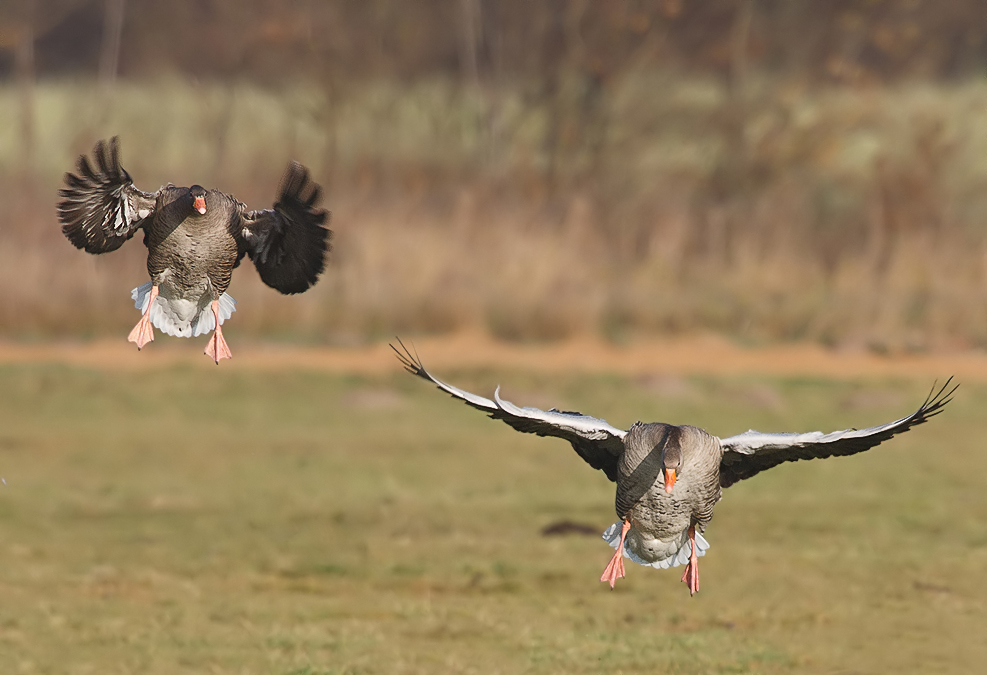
(182, 318)
(680, 557)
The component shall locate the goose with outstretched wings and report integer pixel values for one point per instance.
(668, 477)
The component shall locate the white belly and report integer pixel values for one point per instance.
(182, 316)
(647, 550)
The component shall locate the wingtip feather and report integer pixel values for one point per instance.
(412, 364)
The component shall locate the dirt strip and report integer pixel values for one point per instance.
(706, 355)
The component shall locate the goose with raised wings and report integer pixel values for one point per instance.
(195, 238)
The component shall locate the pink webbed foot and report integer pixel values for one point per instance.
(615, 568)
(691, 574)
(217, 349)
(143, 332)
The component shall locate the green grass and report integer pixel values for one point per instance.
(222, 521)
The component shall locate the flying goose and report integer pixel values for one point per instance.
(194, 238)
(669, 477)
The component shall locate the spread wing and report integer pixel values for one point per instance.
(101, 208)
(593, 439)
(288, 243)
(751, 452)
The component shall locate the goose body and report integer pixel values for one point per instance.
(190, 259)
(660, 520)
(668, 478)
(195, 238)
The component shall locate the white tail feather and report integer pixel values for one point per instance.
(140, 295)
(680, 557)
(179, 317)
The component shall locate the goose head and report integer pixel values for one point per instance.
(198, 194)
(671, 464)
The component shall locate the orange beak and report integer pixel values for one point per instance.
(669, 480)
(200, 205)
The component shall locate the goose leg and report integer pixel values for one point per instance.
(691, 574)
(143, 332)
(615, 568)
(217, 348)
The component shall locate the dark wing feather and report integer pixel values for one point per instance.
(593, 439)
(288, 244)
(101, 208)
(751, 452)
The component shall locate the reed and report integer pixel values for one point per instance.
(850, 216)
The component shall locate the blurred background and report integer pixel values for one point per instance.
(768, 170)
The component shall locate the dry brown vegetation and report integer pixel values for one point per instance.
(851, 215)
(539, 171)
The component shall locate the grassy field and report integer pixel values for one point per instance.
(192, 519)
